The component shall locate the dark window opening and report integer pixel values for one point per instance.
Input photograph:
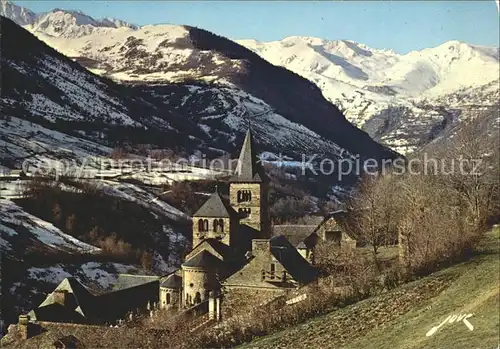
(245, 211)
(218, 225)
(203, 225)
(244, 196)
(335, 236)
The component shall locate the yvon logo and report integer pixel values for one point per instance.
(452, 319)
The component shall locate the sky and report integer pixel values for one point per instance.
(399, 25)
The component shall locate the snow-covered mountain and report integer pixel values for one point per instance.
(18, 14)
(73, 24)
(59, 22)
(342, 64)
(368, 85)
(400, 100)
(55, 112)
(289, 112)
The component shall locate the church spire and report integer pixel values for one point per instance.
(248, 168)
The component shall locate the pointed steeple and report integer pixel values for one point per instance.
(248, 168)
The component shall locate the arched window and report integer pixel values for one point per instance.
(197, 297)
(244, 195)
(218, 225)
(168, 298)
(203, 225)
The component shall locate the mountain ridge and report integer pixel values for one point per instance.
(366, 84)
(193, 115)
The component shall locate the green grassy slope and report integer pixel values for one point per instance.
(400, 319)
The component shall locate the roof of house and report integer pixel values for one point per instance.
(204, 260)
(293, 232)
(82, 304)
(313, 219)
(83, 299)
(216, 207)
(340, 217)
(221, 248)
(172, 281)
(125, 281)
(291, 260)
(248, 169)
(69, 341)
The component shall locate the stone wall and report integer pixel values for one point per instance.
(169, 298)
(331, 225)
(259, 216)
(196, 280)
(198, 236)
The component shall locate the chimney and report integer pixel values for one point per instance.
(260, 246)
(23, 325)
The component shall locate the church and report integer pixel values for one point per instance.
(233, 250)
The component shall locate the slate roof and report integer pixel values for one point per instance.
(313, 220)
(125, 281)
(204, 260)
(172, 281)
(248, 169)
(293, 232)
(82, 301)
(216, 207)
(82, 306)
(56, 313)
(224, 250)
(292, 261)
(341, 218)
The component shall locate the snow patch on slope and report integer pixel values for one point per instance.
(13, 218)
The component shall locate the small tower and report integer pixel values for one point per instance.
(249, 190)
(199, 277)
(215, 219)
(170, 290)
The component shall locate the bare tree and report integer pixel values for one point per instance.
(374, 215)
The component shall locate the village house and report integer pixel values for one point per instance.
(331, 228)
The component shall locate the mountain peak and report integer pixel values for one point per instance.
(18, 14)
(59, 22)
(116, 23)
(72, 24)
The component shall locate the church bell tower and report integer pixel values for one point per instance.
(249, 190)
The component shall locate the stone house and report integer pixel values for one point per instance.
(273, 263)
(331, 228)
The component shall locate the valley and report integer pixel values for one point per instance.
(151, 151)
